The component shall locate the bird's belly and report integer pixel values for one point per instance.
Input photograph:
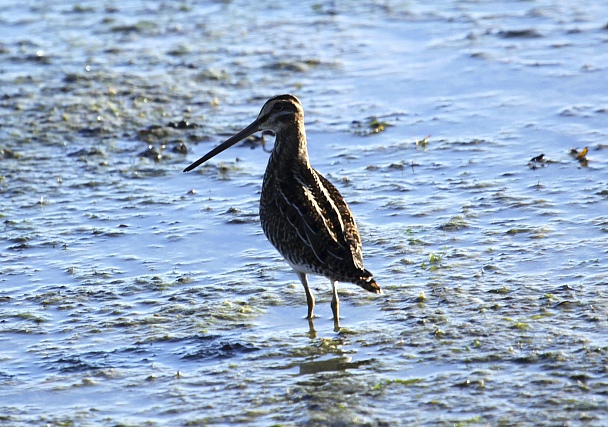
(303, 268)
(290, 245)
(294, 250)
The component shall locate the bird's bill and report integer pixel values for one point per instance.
(249, 130)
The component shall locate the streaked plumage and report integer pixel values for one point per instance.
(302, 214)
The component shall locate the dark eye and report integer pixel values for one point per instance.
(278, 106)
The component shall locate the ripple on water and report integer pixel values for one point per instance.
(134, 294)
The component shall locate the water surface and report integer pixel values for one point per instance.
(134, 294)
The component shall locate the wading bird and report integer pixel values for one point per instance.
(302, 213)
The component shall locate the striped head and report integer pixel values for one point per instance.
(280, 113)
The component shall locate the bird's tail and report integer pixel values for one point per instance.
(367, 282)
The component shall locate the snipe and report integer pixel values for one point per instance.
(302, 213)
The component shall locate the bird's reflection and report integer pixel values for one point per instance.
(312, 332)
(341, 363)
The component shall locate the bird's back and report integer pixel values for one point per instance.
(306, 218)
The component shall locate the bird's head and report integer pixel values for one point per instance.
(278, 114)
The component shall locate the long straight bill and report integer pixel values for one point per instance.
(249, 130)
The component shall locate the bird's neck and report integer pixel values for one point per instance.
(290, 147)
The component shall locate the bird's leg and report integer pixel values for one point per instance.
(335, 305)
(310, 299)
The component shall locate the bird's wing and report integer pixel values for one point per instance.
(350, 233)
(320, 216)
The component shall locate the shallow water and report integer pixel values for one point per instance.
(134, 294)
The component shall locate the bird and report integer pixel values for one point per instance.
(302, 213)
